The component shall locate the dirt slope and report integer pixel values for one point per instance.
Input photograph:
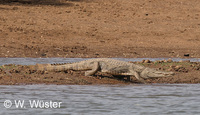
(99, 28)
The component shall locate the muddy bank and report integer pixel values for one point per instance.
(186, 72)
(99, 28)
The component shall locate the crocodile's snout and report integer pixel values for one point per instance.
(150, 73)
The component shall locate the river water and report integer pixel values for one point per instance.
(32, 61)
(155, 99)
(152, 99)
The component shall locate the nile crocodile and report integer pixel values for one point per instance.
(106, 65)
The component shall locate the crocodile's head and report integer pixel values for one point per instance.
(151, 73)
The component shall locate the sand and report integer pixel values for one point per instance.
(100, 28)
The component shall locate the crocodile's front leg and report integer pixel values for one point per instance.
(137, 76)
(94, 69)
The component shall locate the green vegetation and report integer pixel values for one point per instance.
(11, 66)
(185, 64)
(173, 64)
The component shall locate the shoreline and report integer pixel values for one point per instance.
(99, 29)
(185, 73)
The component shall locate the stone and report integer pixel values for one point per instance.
(178, 67)
(147, 61)
(143, 61)
(181, 61)
(188, 61)
(165, 61)
(169, 60)
(187, 55)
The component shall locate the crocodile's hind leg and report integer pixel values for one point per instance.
(94, 69)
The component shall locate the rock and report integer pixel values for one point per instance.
(192, 65)
(68, 11)
(169, 60)
(158, 61)
(165, 61)
(187, 55)
(138, 62)
(15, 8)
(143, 61)
(196, 68)
(170, 69)
(131, 62)
(172, 66)
(188, 61)
(3, 66)
(45, 72)
(155, 62)
(161, 61)
(178, 67)
(43, 54)
(181, 61)
(147, 61)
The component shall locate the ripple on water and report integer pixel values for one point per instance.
(133, 99)
(32, 61)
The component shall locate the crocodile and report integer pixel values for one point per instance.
(107, 65)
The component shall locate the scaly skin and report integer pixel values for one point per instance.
(111, 66)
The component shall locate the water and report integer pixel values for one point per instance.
(156, 99)
(32, 61)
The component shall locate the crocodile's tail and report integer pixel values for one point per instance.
(150, 73)
(49, 67)
(40, 67)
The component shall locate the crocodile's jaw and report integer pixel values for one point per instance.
(151, 73)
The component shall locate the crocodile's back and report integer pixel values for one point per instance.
(107, 61)
(105, 64)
